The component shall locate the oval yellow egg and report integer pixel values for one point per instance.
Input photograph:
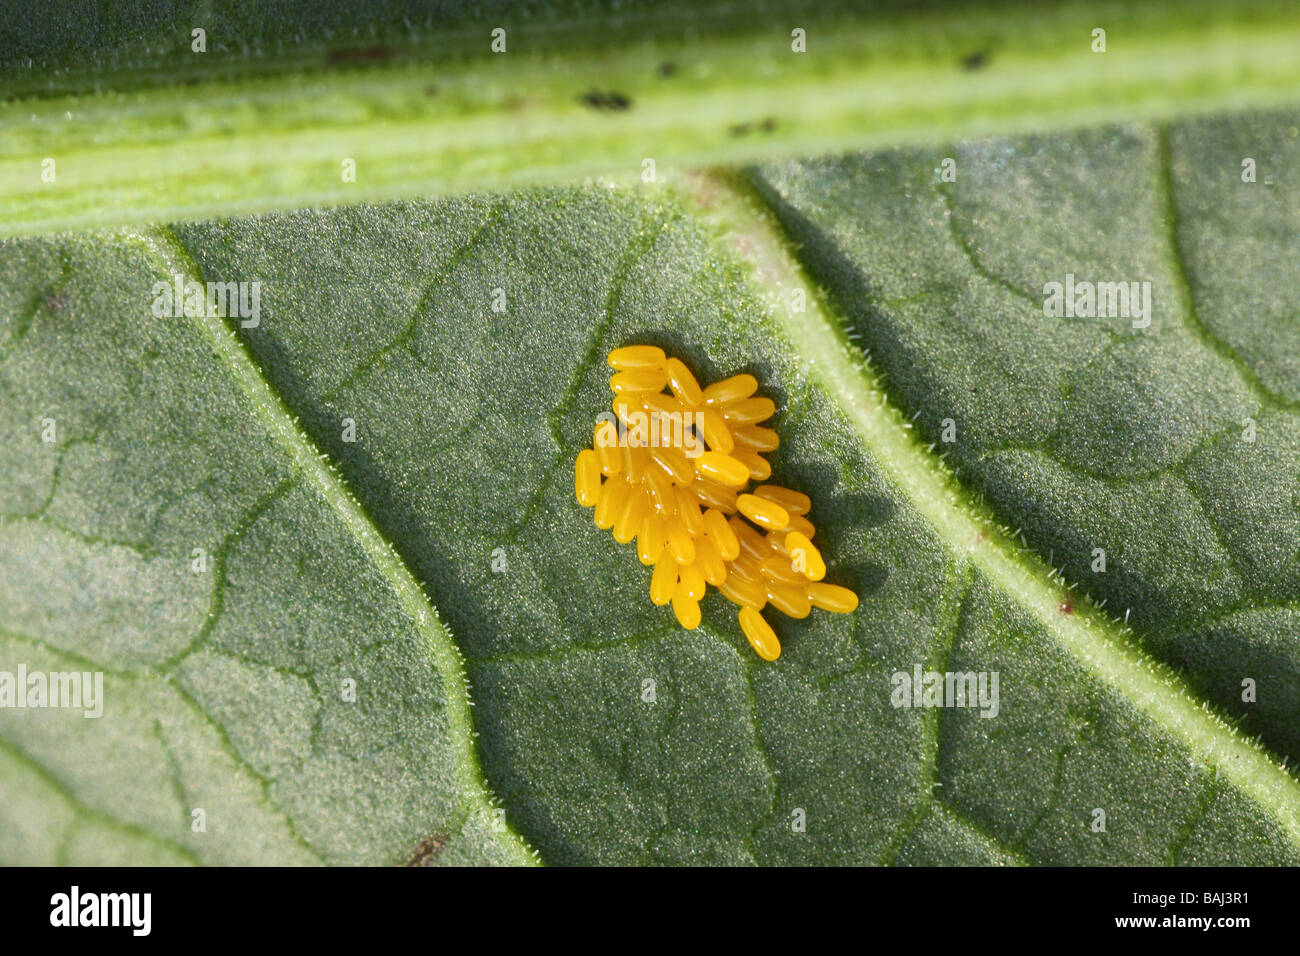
(680, 543)
(683, 383)
(661, 491)
(636, 356)
(778, 569)
(639, 380)
(723, 469)
(686, 609)
(716, 527)
(674, 463)
(748, 411)
(628, 523)
(805, 555)
(586, 478)
(790, 600)
(609, 505)
(709, 561)
(691, 579)
(764, 513)
(756, 437)
(688, 513)
(750, 540)
(664, 580)
(731, 390)
(746, 593)
(713, 429)
(713, 495)
(759, 633)
(795, 502)
(759, 469)
(833, 598)
(605, 444)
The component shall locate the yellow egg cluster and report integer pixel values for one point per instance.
(674, 477)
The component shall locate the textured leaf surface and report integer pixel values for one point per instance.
(1089, 433)
(223, 688)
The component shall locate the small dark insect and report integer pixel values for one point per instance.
(765, 125)
(666, 68)
(427, 849)
(360, 54)
(599, 100)
(975, 61)
(1065, 607)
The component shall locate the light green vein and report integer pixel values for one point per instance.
(150, 134)
(969, 530)
(316, 470)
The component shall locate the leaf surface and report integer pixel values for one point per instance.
(223, 688)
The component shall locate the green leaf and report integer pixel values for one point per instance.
(222, 688)
(1175, 448)
(141, 128)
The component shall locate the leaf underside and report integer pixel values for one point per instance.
(328, 557)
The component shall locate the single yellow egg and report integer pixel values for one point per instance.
(805, 556)
(609, 505)
(778, 569)
(790, 600)
(691, 579)
(716, 527)
(686, 608)
(759, 469)
(680, 543)
(683, 383)
(636, 356)
(759, 633)
(605, 443)
(730, 390)
(756, 437)
(638, 380)
(723, 469)
(764, 513)
(746, 593)
(713, 429)
(748, 411)
(795, 502)
(833, 598)
(709, 560)
(664, 580)
(586, 478)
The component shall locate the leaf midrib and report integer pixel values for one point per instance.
(425, 123)
(966, 527)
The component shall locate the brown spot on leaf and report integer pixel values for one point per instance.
(427, 850)
(975, 61)
(601, 100)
